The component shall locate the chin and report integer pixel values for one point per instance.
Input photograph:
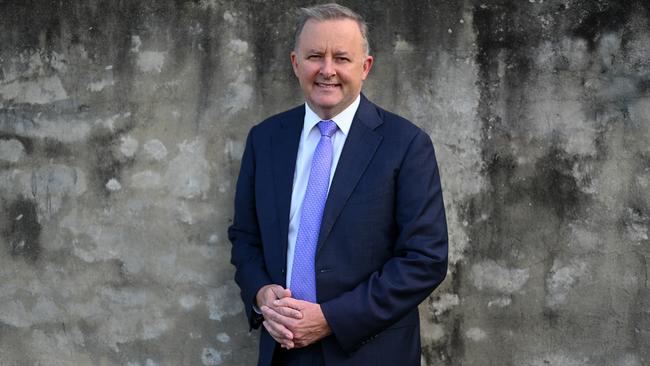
(327, 101)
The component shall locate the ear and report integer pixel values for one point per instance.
(367, 65)
(294, 62)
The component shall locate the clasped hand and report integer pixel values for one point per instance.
(291, 322)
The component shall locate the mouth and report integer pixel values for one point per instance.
(327, 85)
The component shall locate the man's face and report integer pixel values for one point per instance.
(330, 64)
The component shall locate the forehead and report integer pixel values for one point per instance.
(334, 33)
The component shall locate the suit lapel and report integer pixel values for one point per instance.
(359, 148)
(284, 147)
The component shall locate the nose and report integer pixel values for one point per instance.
(327, 68)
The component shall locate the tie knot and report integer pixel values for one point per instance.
(327, 128)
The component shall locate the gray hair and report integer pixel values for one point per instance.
(329, 12)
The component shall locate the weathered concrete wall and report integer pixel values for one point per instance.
(121, 130)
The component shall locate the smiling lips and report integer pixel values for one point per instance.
(327, 86)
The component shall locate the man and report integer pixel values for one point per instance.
(339, 229)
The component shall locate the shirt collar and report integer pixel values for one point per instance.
(343, 120)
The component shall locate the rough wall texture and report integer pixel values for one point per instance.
(122, 125)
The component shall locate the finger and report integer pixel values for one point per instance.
(284, 343)
(277, 291)
(288, 312)
(269, 295)
(290, 302)
(274, 315)
(280, 292)
(277, 330)
(288, 344)
(280, 329)
(269, 312)
(286, 293)
(273, 331)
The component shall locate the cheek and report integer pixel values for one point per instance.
(307, 74)
(304, 77)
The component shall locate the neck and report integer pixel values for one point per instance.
(327, 114)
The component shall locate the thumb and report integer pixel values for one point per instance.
(279, 291)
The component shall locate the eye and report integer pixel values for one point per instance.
(313, 57)
(342, 59)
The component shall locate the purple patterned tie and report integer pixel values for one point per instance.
(303, 274)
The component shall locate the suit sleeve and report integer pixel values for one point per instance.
(419, 261)
(247, 253)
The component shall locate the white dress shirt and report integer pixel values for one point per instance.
(308, 141)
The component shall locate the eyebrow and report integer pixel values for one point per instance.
(320, 52)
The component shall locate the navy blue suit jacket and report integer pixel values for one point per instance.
(382, 247)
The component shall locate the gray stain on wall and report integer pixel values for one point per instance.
(22, 231)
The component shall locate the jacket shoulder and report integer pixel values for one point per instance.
(394, 124)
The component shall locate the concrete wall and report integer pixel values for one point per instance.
(122, 125)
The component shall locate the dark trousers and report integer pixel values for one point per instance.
(311, 355)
